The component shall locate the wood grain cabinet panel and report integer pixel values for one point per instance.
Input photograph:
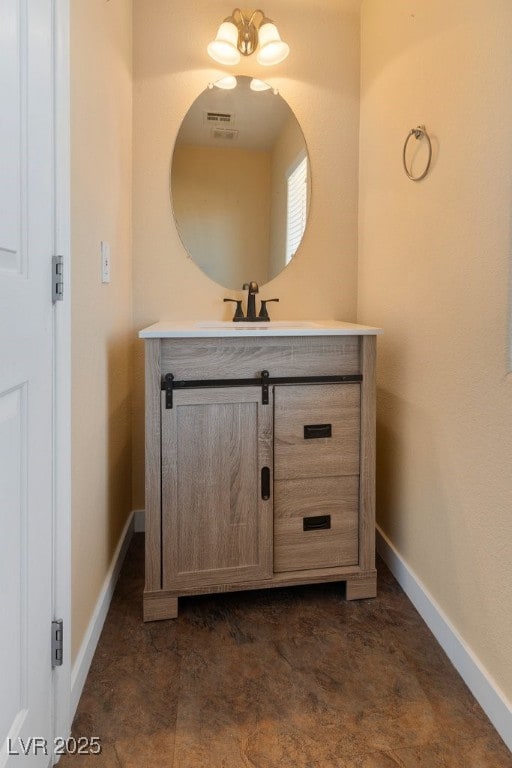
(337, 406)
(215, 525)
(307, 503)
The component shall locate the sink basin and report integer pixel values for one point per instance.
(271, 325)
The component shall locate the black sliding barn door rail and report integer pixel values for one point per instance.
(170, 384)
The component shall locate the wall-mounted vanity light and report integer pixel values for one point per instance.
(240, 34)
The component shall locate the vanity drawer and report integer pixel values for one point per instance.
(303, 510)
(316, 430)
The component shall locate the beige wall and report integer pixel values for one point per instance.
(320, 81)
(101, 98)
(434, 272)
(228, 191)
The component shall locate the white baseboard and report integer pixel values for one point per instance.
(92, 635)
(483, 687)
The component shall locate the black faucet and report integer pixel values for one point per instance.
(263, 316)
(239, 313)
(252, 289)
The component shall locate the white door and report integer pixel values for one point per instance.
(26, 380)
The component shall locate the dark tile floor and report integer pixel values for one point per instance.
(288, 678)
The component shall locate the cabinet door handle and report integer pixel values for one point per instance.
(318, 523)
(312, 431)
(265, 483)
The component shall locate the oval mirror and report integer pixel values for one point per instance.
(240, 182)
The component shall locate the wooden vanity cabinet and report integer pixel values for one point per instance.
(249, 490)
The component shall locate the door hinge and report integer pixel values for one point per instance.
(57, 642)
(57, 278)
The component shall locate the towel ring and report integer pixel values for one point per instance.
(418, 134)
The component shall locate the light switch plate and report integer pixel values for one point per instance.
(105, 261)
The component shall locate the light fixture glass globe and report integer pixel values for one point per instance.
(224, 48)
(259, 85)
(272, 50)
(226, 83)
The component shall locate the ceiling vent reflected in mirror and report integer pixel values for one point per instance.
(220, 118)
(225, 134)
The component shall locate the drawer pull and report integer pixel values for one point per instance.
(265, 483)
(318, 523)
(312, 431)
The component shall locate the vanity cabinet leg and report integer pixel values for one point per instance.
(158, 606)
(361, 587)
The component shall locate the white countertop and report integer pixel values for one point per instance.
(224, 329)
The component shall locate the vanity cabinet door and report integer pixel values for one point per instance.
(216, 456)
(317, 460)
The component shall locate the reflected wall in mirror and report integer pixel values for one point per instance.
(240, 182)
